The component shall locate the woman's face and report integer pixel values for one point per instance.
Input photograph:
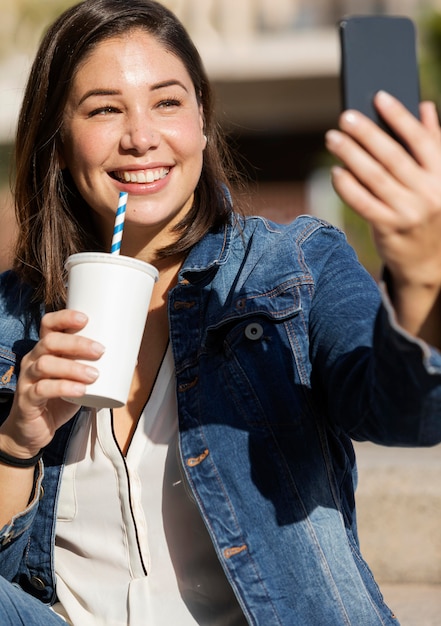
(132, 122)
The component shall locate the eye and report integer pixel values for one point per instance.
(169, 103)
(103, 111)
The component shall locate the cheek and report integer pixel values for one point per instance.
(191, 143)
(88, 149)
(75, 155)
(187, 136)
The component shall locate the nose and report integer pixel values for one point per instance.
(139, 134)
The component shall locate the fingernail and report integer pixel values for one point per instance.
(350, 117)
(336, 170)
(384, 97)
(333, 137)
(91, 373)
(78, 390)
(97, 348)
(81, 318)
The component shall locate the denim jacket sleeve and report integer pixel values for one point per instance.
(378, 382)
(14, 536)
(18, 334)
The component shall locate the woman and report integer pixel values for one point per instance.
(223, 492)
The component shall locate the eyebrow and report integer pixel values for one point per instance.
(116, 92)
(169, 83)
(99, 92)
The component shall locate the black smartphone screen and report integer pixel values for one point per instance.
(378, 52)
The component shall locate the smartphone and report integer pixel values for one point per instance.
(378, 52)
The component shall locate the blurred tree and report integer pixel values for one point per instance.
(430, 56)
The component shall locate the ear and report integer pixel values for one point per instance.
(202, 127)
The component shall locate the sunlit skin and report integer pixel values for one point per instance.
(132, 114)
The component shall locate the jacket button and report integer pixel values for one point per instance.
(38, 583)
(179, 304)
(253, 331)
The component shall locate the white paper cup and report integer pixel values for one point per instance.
(114, 291)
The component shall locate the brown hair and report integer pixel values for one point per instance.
(54, 220)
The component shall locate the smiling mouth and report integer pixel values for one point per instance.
(141, 176)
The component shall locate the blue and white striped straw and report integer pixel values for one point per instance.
(119, 223)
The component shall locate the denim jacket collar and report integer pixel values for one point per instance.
(209, 254)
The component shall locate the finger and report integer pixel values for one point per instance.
(361, 200)
(64, 320)
(367, 170)
(386, 152)
(430, 119)
(51, 367)
(417, 137)
(46, 390)
(70, 346)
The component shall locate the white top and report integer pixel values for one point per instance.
(129, 538)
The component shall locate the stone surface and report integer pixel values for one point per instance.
(399, 512)
(414, 605)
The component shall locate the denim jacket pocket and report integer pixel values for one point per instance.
(262, 362)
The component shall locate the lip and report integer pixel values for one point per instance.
(162, 177)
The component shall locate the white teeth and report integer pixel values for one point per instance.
(143, 176)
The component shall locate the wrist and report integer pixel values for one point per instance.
(19, 462)
(10, 447)
(417, 309)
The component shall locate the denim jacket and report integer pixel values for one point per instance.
(284, 350)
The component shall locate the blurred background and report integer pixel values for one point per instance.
(274, 64)
(275, 68)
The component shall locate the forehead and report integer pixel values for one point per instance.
(137, 54)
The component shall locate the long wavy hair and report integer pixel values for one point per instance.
(53, 219)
